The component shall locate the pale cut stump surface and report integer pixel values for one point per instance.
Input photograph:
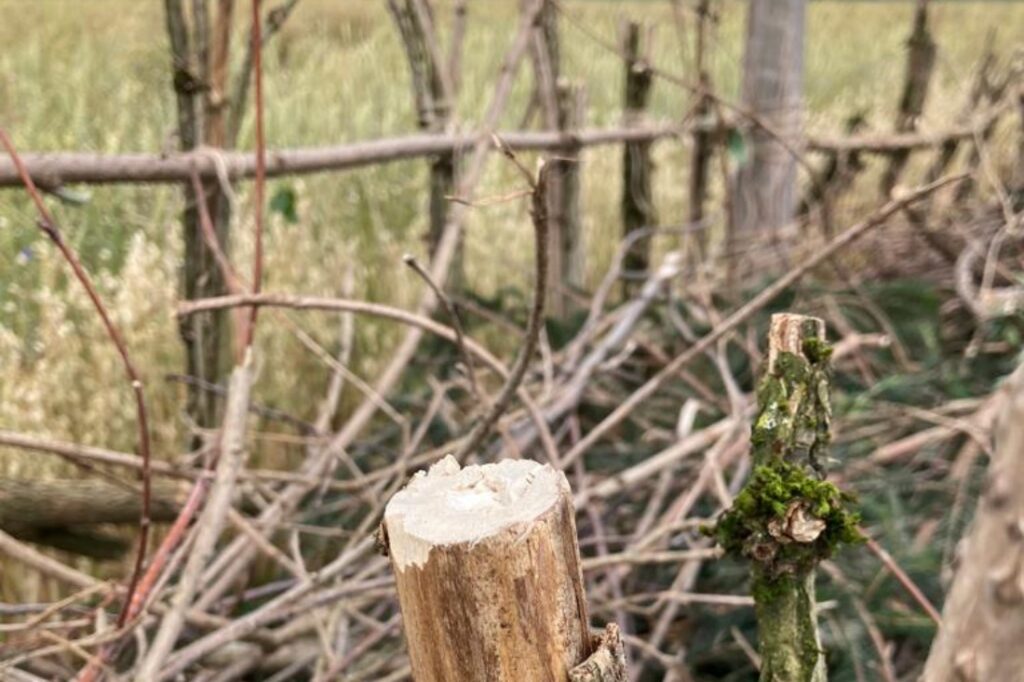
(487, 569)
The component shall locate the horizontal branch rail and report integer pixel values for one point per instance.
(892, 143)
(54, 169)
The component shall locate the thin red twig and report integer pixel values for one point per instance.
(234, 282)
(159, 562)
(49, 227)
(261, 167)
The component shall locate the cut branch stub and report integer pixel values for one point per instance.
(787, 518)
(607, 663)
(488, 573)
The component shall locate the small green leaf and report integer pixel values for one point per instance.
(286, 203)
(737, 147)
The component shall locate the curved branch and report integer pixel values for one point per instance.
(49, 227)
(382, 311)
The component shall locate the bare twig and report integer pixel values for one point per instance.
(19, 551)
(540, 231)
(51, 170)
(453, 314)
(211, 521)
(423, 322)
(902, 577)
(50, 228)
(275, 20)
(747, 310)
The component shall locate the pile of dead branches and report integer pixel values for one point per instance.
(643, 399)
(646, 407)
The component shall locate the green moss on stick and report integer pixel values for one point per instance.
(788, 518)
(779, 496)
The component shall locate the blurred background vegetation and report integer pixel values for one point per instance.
(95, 76)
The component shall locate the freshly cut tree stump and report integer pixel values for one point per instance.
(488, 573)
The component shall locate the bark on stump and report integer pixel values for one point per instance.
(488, 574)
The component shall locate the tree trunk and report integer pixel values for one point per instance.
(983, 618)
(488, 574)
(765, 194)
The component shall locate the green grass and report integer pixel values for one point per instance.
(94, 77)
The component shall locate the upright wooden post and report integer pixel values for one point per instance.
(546, 55)
(432, 93)
(565, 234)
(920, 64)
(787, 518)
(204, 336)
(637, 168)
(700, 159)
(561, 106)
(487, 569)
(765, 193)
(841, 169)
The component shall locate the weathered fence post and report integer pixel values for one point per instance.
(204, 336)
(788, 518)
(567, 240)
(561, 107)
(840, 170)
(992, 92)
(980, 91)
(487, 569)
(433, 94)
(637, 167)
(702, 144)
(920, 64)
(765, 194)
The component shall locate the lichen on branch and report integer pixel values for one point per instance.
(788, 518)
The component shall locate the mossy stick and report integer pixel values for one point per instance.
(788, 518)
